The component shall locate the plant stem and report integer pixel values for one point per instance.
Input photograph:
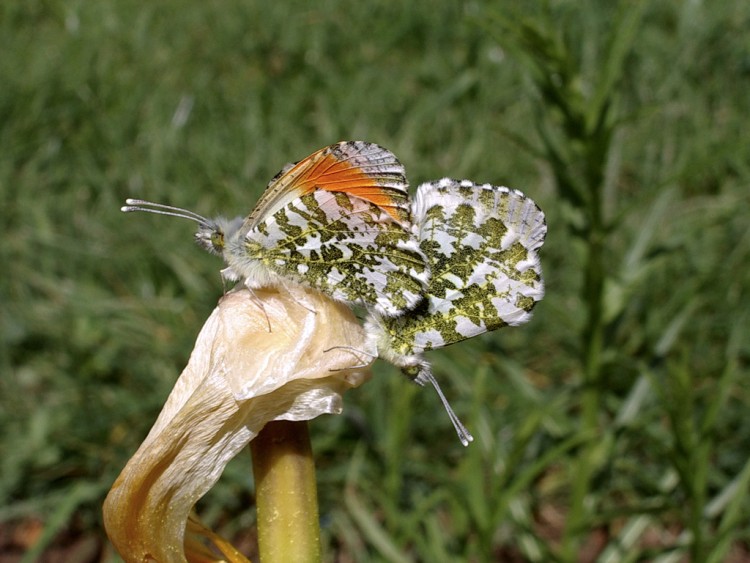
(285, 493)
(591, 400)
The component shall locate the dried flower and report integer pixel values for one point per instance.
(240, 376)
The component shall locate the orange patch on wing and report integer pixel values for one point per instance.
(329, 173)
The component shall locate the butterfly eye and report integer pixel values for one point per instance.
(411, 371)
(217, 240)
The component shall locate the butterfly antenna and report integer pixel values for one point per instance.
(162, 209)
(463, 433)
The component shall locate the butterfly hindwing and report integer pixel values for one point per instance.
(481, 244)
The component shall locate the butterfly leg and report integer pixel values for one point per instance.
(259, 302)
(356, 353)
(228, 275)
(298, 295)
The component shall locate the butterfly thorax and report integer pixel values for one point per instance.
(225, 238)
(245, 260)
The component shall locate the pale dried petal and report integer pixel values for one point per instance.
(239, 377)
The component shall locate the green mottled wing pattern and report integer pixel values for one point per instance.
(344, 246)
(481, 244)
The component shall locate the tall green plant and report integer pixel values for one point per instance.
(576, 117)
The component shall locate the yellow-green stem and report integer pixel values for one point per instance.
(286, 494)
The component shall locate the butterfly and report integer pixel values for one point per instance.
(481, 245)
(338, 221)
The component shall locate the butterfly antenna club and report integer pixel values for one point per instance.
(464, 435)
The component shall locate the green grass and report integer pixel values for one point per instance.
(613, 425)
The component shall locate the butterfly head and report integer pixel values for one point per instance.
(417, 370)
(212, 235)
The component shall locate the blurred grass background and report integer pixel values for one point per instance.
(613, 427)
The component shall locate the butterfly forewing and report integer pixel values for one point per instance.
(360, 169)
(346, 247)
(481, 243)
